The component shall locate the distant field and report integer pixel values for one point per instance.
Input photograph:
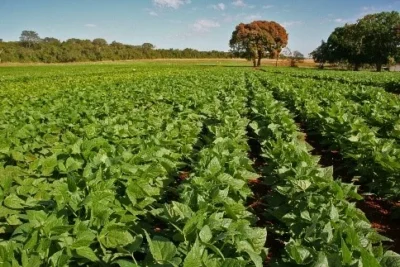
(198, 163)
(267, 62)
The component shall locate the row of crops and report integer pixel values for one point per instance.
(387, 80)
(149, 166)
(362, 123)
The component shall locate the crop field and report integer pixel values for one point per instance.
(142, 164)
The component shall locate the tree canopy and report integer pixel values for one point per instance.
(258, 39)
(31, 48)
(29, 38)
(373, 39)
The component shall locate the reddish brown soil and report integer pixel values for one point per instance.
(328, 157)
(183, 175)
(376, 210)
(379, 211)
(258, 203)
(259, 207)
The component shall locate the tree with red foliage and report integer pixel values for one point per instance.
(258, 39)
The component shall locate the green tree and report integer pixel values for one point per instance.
(382, 37)
(99, 42)
(148, 46)
(347, 44)
(75, 50)
(373, 39)
(73, 41)
(29, 38)
(321, 54)
(51, 40)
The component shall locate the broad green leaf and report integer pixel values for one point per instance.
(322, 260)
(368, 259)
(84, 239)
(298, 253)
(87, 253)
(13, 202)
(37, 217)
(48, 165)
(32, 241)
(214, 166)
(72, 165)
(205, 234)
(234, 263)
(31, 260)
(194, 257)
(114, 238)
(302, 184)
(125, 263)
(18, 156)
(71, 183)
(354, 138)
(192, 224)
(346, 253)
(161, 248)
(256, 259)
(13, 220)
(90, 131)
(390, 259)
(334, 213)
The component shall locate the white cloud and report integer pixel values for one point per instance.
(204, 25)
(252, 17)
(267, 6)
(90, 25)
(368, 8)
(220, 6)
(171, 3)
(241, 17)
(364, 10)
(152, 13)
(287, 24)
(239, 3)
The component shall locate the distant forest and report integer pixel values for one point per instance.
(32, 48)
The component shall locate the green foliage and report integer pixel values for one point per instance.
(32, 48)
(359, 122)
(92, 157)
(313, 209)
(373, 39)
(94, 181)
(29, 38)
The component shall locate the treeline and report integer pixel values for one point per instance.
(32, 48)
(372, 40)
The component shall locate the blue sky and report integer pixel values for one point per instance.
(202, 25)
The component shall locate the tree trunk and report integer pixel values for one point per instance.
(259, 58)
(357, 66)
(254, 62)
(378, 67)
